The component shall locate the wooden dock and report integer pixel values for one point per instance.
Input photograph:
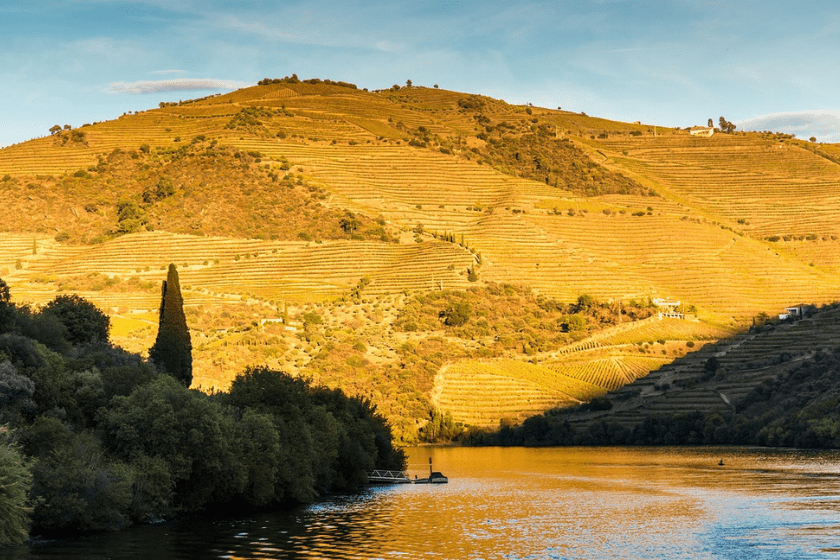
(388, 477)
(400, 477)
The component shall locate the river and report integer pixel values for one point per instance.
(511, 503)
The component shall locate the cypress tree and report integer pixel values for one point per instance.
(172, 350)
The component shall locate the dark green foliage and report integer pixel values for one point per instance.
(15, 395)
(110, 441)
(456, 314)
(346, 437)
(440, 427)
(164, 188)
(249, 119)
(83, 321)
(514, 316)
(45, 328)
(130, 217)
(79, 488)
(533, 151)
(15, 482)
(21, 351)
(5, 294)
(711, 364)
(186, 430)
(349, 223)
(295, 80)
(172, 350)
(598, 403)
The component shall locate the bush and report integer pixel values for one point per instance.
(15, 482)
(84, 321)
(79, 489)
(456, 314)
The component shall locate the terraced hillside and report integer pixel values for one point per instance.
(290, 199)
(740, 363)
(575, 373)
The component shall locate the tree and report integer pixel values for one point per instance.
(711, 123)
(82, 319)
(349, 223)
(172, 350)
(408, 83)
(456, 314)
(55, 128)
(5, 294)
(725, 125)
(813, 138)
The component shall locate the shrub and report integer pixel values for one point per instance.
(84, 321)
(456, 314)
(15, 481)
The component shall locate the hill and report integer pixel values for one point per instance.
(307, 220)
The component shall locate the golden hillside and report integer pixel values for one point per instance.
(288, 199)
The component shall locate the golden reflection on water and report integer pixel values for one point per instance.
(590, 503)
(570, 503)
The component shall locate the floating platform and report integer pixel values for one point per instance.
(400, 477)
(388, 477)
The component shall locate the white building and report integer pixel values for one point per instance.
(706, 131)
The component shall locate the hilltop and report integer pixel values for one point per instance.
(313, 223)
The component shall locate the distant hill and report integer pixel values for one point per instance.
(309, 220)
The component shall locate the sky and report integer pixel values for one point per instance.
(772, 64)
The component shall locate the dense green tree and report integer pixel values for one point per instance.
(7, 310)
(15, 481)
(107, 440)
(185, 429)
(456, 314)
(15, 395)
(83, 320)
(79, 488)
(172, 350)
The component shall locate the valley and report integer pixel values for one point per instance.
(326, 231)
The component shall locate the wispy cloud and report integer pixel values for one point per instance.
(146, 86)
(822, 124)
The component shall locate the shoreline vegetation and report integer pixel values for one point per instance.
(96, 438)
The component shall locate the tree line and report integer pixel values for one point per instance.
(97, 438)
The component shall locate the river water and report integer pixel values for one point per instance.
(509, 503)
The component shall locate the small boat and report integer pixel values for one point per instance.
(435, 477)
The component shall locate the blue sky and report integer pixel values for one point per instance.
(666, 62)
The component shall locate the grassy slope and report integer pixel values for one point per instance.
(563, 203)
